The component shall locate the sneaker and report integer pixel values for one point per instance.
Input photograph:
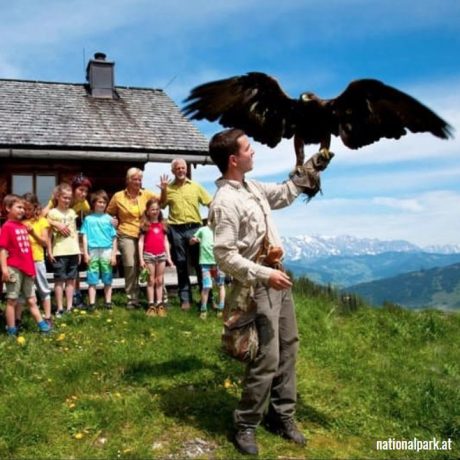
(19, 325)
(152, 310)
(12, 331)
(108, 305)
(91, 307)
(78, 300)
(285, 428)
(162, 312)
(185, 306)
(245, 441)
(44, 327)
(219, 313)
(49, 321)
(59, 313)
(132, 305)
(203, 314)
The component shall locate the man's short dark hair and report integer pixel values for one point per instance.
(224, 144)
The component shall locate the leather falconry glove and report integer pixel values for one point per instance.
(307, 176)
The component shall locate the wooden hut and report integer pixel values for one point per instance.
(51, 131)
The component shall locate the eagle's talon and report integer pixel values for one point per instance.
(325, 153)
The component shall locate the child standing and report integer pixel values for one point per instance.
(154, 254)
(65, 249)
(209, 269)
(38, 228)
(17, 264)
(80, 189)
(99, 248)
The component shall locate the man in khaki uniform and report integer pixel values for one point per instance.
(240, 216)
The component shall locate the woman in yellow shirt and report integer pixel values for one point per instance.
(127, 206)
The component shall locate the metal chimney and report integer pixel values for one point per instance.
(100, 75)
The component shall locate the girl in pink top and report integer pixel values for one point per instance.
(154, 254)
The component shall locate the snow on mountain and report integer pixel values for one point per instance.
(307, 247)
(443, 249)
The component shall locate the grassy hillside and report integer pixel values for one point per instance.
(435, 288)
(121, 385)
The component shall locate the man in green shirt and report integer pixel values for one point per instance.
(183, 197)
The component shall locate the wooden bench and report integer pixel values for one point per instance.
(119, 283)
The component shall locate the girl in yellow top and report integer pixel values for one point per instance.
(38, 228)
(81, 186)
(80, 189)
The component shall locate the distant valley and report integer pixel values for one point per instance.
(435, 288)
(369, 267)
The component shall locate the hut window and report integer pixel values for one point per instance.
(40, 184)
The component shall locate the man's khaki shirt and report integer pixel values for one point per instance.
(240, 216)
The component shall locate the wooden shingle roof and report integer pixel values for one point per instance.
(62, 116)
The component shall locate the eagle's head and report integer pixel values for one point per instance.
(308, 97)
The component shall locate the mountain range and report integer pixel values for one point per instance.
(364, 265)
(306, 247)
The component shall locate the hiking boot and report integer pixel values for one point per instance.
(285, 428)
(245, 441)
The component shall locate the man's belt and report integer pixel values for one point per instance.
(185, 226)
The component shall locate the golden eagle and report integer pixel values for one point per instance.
(365, 112)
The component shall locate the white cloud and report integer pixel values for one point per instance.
(410, 205)
(434, 221)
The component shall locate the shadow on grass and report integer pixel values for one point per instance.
(145, 370)
(211, 409)
(206, 408)
(205, 404)
(307, 414)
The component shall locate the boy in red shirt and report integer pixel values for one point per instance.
(17, 264)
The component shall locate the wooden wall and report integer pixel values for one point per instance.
(107, 175)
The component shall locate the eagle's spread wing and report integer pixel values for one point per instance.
(368, 110)
(253, 102)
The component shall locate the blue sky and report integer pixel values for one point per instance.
(408, 189)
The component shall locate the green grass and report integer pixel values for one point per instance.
(122, 385)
